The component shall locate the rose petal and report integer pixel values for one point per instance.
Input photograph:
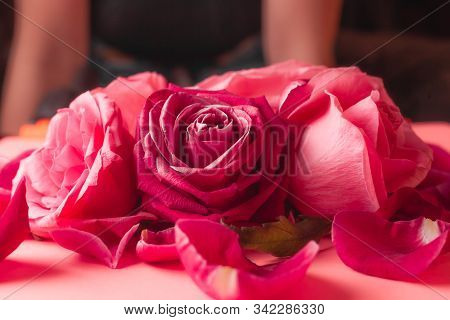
(350, 85)
(437, 182)
(268, 81)
(13, 221)
(410, 159)
(130, 94)
(103, 239)
(212, 256)
(338, 170)
(408, 204)
(9, 170)
(230, 186)
(157, 246)
(405, 158)
(373, 245)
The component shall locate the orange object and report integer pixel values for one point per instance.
(34, 130)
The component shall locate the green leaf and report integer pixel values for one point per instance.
(283, 238)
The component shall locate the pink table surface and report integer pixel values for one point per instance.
(43, 270)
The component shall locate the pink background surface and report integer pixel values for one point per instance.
(43, 270)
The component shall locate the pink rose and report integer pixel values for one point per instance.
(209, 154)
(354, 148)
(81, 185)
(269, 81)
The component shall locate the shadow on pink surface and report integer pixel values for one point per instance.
(316, 287)
(438, 273)
(12, 270)
(73, 277)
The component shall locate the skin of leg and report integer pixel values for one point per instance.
(39, 63)
(300, 29)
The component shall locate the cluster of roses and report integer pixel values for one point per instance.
(147, 167)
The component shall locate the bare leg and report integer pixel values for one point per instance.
(300, 29)
(38, 62)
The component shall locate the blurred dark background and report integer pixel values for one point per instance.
(6, 29)
(414, 66)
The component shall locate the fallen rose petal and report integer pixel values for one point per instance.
(370, 244)
(13, 221)
(157, 246)
(212, 256)
(103, 239)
